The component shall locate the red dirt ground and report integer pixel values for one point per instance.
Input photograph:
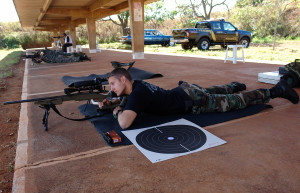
(9, 124)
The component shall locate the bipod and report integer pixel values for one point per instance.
(46, 115)
(53, 107)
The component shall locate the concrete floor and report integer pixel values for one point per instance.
(261, 153)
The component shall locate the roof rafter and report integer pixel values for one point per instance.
(45, 7)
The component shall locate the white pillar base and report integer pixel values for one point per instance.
(138, 55)
(92, 51)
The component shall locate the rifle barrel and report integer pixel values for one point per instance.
(60, 99)
(32, 100)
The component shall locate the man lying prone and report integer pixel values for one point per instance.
(186, 98)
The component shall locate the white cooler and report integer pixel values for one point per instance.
(269, 77)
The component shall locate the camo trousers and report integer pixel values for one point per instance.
(221, 98)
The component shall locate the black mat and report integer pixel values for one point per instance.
(108, 123)
(137, 74)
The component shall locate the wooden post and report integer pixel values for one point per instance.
(91, 27)
(136, 8)
(55, 34)
(72, 28)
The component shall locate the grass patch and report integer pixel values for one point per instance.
(7, 59)
(259, 49)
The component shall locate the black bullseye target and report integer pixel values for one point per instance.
(171, 139)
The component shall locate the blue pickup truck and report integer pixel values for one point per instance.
(151, 36)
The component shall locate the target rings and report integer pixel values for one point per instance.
(171, 139)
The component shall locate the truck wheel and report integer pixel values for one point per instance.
(165, 44)
(203, 44)
(224, 46)
(245, 42)
(187, 46)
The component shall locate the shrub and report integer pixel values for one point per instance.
(9, 42)
(82, 41)
(33, 39)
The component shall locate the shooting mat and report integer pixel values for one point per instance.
(137, 74)
(107, 123)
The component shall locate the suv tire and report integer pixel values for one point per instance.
(187, 46)
(224, 46)
(165, 45)
(203, 44)
(245, 42)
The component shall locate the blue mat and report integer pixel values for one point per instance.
(107, 122)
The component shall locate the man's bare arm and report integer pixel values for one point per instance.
(106, 102)
(125, 118)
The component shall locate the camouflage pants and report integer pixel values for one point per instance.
(56, 57)
(222, 98)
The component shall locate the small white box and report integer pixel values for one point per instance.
(78, 48)
(269, 77)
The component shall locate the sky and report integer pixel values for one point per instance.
(8, 11)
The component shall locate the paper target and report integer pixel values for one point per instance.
(170, 140)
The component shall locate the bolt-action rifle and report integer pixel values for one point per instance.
(82, 90)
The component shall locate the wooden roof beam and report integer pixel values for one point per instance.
(43, 9)
(55, 21)
(121, 7)
(80, 21)
(98, 4)
(80, 12)
(100, 13)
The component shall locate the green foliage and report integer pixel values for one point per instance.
(108, 32)
(82, 41)
(260, 17)
(13, 36)
(244, 3)
(11, 58)
(287, 51)
(261, 40)
(34, 39)
(156, 14)
(8, 41)
(8, 27)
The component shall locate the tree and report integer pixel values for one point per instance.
(123, 21)
(205, 5)
(281, 6)
(243, 3)
(156, 13)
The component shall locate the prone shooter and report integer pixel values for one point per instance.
(80, 91)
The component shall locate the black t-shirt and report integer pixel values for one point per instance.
(146, 97)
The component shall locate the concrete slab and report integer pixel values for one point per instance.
(260, 154)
